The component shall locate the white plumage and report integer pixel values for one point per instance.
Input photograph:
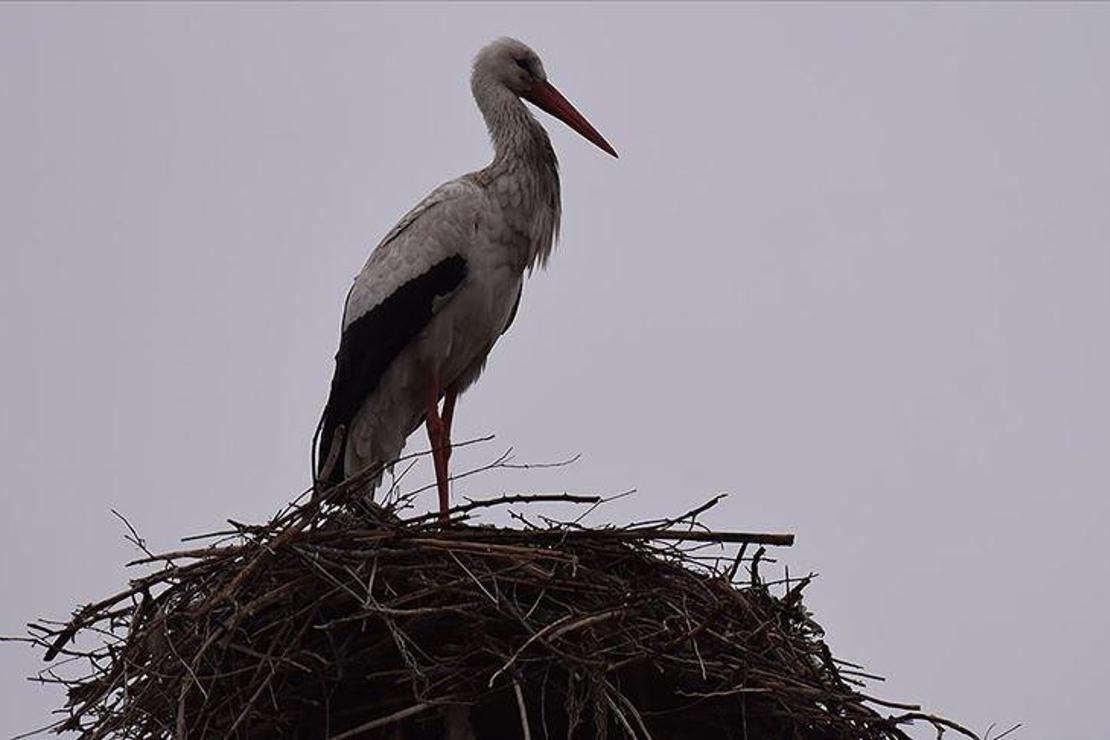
(445, 282)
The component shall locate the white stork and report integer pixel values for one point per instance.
(445, 282)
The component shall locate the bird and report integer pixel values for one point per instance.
(445, 282)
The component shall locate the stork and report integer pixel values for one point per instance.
(445, 283)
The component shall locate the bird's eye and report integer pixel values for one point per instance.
(523, 65)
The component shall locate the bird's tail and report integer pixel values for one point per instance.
(328, 446)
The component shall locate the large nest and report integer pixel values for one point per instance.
(330, 622)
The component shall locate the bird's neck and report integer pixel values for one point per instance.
(524, 174)
(517, 136)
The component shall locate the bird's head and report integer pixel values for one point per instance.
(512, 65)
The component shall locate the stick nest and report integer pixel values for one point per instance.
(335, 622)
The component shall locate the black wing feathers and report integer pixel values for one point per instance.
(372, 341)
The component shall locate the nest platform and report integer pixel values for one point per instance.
(339, 621)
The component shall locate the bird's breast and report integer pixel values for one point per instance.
(522, 215)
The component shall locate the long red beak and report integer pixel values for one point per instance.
(547, 98)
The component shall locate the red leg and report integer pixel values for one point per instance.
(437, 440)
(448, 415)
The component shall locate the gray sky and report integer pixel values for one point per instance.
(853, 267)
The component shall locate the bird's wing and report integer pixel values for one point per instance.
(407, 280)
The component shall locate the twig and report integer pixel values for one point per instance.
(692, 514)
(643, 535)
(516, 498)
(935, 721)
(523, 711)
(383, 721)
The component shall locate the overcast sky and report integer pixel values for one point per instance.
(852, 267)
